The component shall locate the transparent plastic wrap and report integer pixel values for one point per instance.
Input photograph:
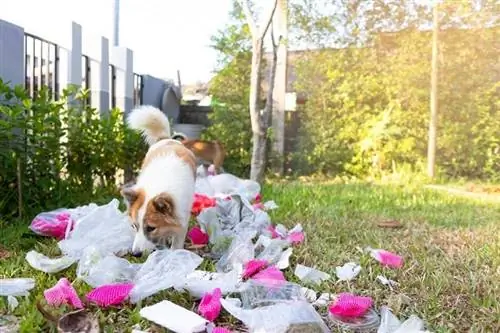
(97, 269)
(16, 286)
(256, 294)
(53, 223)
(389, 323)
(240, 251)
(48, 265)
(198, 283)
(284, 317)
(105, 227)
(162, 270)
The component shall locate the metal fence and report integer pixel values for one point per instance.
(138, 88)
(42, 68)
(41, 65)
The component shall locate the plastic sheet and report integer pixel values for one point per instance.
(389, 323)
(162, 270)
(310, 275)
(348, 272)
(48, 265)
(292, 316)
(105, 227)
(16, 287)
(199, 282)
(97, 269)
(256, 294)
(240, 251)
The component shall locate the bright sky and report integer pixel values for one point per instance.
(165, 35)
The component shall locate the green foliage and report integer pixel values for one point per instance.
(59, 152)
(230, 117)
(367, 109)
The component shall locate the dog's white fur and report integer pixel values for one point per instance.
(166, 173)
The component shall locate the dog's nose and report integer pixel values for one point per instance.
(137, 254)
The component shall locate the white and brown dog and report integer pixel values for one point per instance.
(159, 203)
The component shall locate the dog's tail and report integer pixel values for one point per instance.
(151, 122)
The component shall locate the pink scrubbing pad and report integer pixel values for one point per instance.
(111, 294)
(271, 276)
(63, 293)
(252, 267)
(221, 330)
(296, 237)
(197, 236)
(210, 305)
(387, 258)
(349, 305)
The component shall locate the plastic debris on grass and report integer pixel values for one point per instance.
(230, 216)
(391, 324)
(310, 275)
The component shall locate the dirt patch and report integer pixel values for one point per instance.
(4, 254)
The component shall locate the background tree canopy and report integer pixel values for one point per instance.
(364, 71)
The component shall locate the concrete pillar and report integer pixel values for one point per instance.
(123, 60)
(12, 53)
(75, 56)
(100, 79)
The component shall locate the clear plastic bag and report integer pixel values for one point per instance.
(16, 287)
(198, 285)
(48, 265)
(105, 227)
(98, 270)
(240, 251)
(291, 316)
(389, 323)
(256, 294)
(310, 275)
(162, 270)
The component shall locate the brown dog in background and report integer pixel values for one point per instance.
(212, 152)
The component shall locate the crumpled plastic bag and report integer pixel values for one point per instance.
(16, 287)
(48, 265)
(279, 317)
(348, 272)
(391, 324)
(276, 308)
(227, 184)
(240, 251)
(310, 275)
(105, 227)
(200, 282)
(97, 269)
(162, 270)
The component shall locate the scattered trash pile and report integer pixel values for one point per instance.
(235, 231)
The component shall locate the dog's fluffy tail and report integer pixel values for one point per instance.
(151, 122)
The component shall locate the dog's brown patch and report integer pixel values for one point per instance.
(161, 215)
(135, 199)
(171, 147)
(211, 151)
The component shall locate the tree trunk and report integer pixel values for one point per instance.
(280, 86)
(431, 151)
(258, 163)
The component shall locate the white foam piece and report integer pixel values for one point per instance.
(174, 317)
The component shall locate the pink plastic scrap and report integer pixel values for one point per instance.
(63, 293)
(111, 294)
(271, 275)
(252, 267)
(387, 258)
(349, 305)
(52, 227)
(221, 330)
(210, 305)
(294, 236)
(197, 236)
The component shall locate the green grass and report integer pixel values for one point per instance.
(451, 247)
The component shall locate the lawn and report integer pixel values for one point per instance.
(451, 247)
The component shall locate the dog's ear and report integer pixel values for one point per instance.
(163, 203)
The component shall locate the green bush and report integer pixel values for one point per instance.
(58, 153)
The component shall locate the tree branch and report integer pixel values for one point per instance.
(268, 20)
(249, 16)
(257, 31)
